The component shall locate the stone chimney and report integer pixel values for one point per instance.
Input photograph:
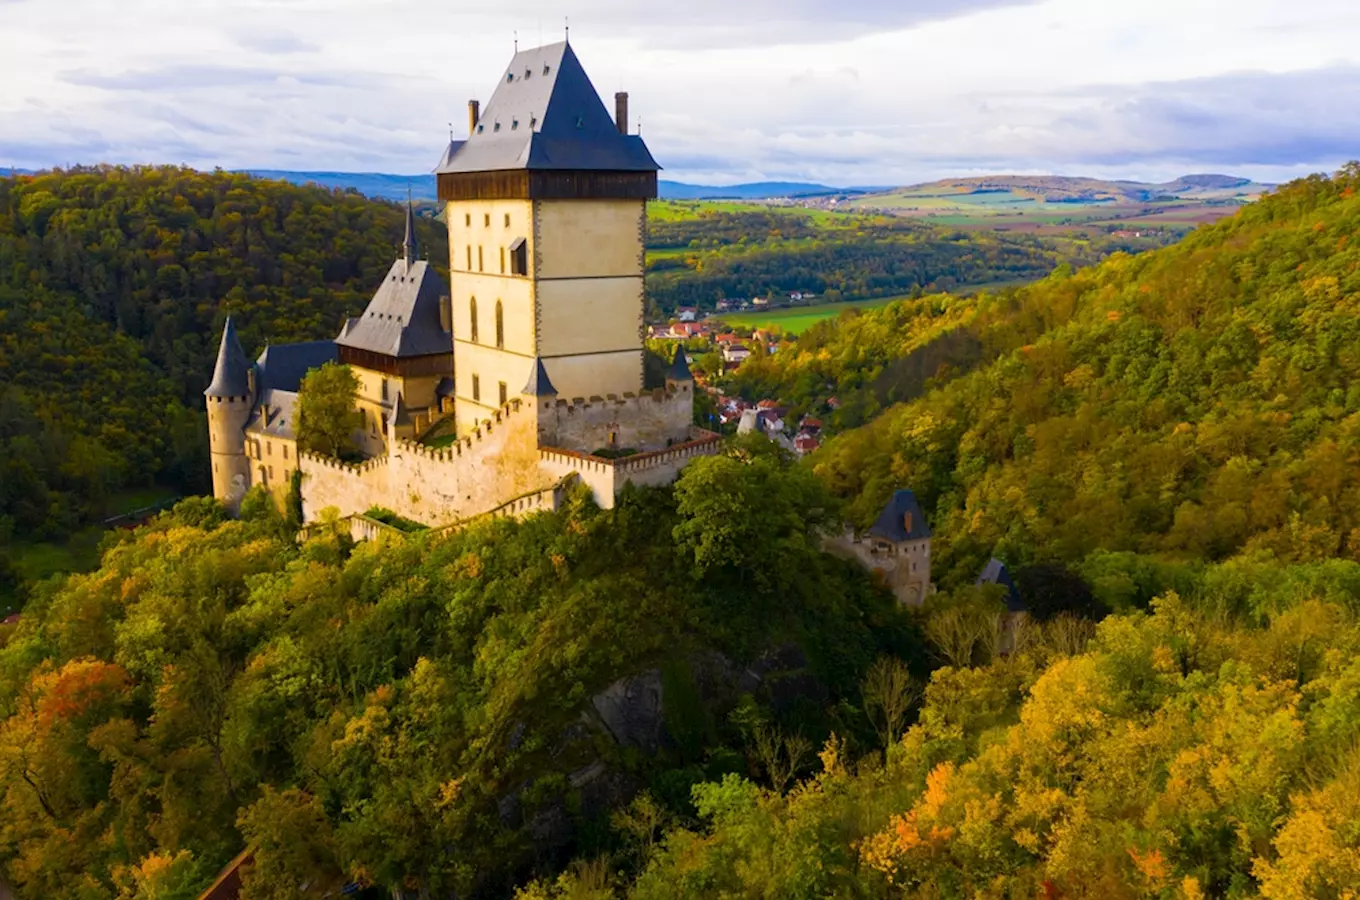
(906, 522)
(445, 313)
(621, 111)
(474, 113)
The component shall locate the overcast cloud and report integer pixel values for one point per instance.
(851, 92)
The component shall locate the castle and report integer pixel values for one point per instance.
(530, 369)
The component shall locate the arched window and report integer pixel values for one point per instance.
(474, 320)
(500, 326)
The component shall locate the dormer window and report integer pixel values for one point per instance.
(580, 122)
(496, 127)
(528, 73)
(509, 76)
(514, 124)
(481, 128)
(533, 121)
(545, 68)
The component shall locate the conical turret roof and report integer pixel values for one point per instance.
(540, 385)
(231, 376)
(679, 370)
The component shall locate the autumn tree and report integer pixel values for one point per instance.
(327, 413)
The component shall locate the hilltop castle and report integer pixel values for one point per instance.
(528, 373)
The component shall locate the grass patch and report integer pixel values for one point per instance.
(799, 319)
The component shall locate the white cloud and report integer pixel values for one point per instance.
(862, 91)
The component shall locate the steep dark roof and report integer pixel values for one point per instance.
(282, 367)
(995, 572)
(449, 153)
(231, 375)
(891, 524)
(402, 319)
(545, 114)
(445, 387)
(679, 370)
(539, 385)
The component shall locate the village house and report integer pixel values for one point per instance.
(735, 354)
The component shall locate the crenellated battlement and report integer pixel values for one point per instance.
(581, 404)
(319, 461)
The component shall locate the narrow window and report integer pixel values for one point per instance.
(519, 257)
(469, 265)
(285, 451)
(480, 266)
(476, 388)
(504, 394)
(507, 220)
(502, 260)
(473, 330)
(268, 448)
(467, 220)
(271, 472)
(384, 389)
(500, 326)
(486, 222)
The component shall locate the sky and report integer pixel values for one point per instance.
(850, 92)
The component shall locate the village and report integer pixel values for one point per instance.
(714, 349)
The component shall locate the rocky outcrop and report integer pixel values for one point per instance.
(631, 710)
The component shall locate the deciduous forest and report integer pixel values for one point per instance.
(684, 696)
(114, 284)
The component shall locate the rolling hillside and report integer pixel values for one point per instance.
(1036, 202)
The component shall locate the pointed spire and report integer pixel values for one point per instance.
(410, 244)
(679, 370)
(540, 385)
(231, 376)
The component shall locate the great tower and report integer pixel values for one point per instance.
(546, 210)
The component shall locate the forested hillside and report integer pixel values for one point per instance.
(1196, 401)
(353, 713)
(114, 284)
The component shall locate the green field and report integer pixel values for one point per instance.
(685, 210)
(799, 319)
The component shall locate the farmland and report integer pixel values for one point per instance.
(796, 320)
(701, 252)
(1038, 204)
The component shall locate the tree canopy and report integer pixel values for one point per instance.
(114, 286)
(327, 414)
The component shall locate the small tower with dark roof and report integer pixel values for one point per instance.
(229, 398)
(539, 391)
(678, 376)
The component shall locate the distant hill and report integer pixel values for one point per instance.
(370, 184)
(759, 190)
(1065, 189)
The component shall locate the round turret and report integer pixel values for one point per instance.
(229, 398)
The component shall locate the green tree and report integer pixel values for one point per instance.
(327, 414)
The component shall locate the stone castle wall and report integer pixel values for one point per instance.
(434, 486)
(645, 422)
(606, 477)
